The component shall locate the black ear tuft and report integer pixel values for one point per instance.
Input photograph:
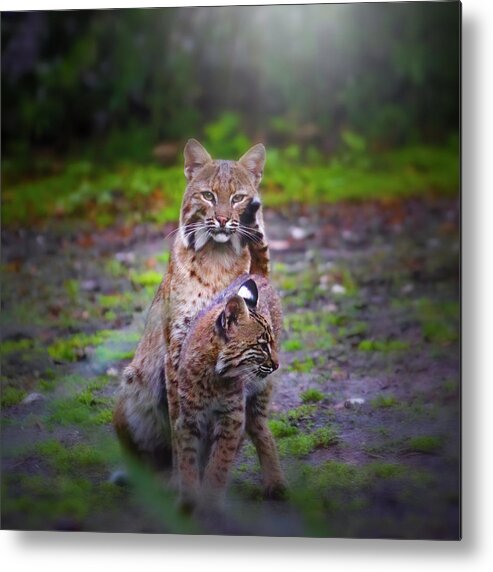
(248, 215)
(249, 292)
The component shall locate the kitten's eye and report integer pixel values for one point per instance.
(265, 347)
(208, 196)
(237, 198)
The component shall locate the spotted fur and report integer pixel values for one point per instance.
(221, 236)
(225, 388)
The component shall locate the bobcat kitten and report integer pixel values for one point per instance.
(224, 389)
(221, 237)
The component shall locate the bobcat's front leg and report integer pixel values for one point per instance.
(174, 412)
(187, 439)
(265, 444)
(226, 440)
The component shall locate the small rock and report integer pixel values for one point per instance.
(32, 398)
(338, 289)
(119, 478)
(89, 285)
(279, 244)
(407, 288)
(298, 233)
(125, 257)
(112, 372)
(353, 402)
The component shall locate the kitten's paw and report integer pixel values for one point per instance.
(276, 491)
(186, 504)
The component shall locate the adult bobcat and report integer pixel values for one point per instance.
(225, 388)
(221, 236)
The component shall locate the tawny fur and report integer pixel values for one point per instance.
(224, 389)
(218, 241)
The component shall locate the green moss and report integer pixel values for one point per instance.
(115, 268)
(386, 470)
(281, 428)
(72, 459)
(11, 396)
(302, 366)
(11, 346)
(439, 320)
(384, 401)
(292, 345)
(425, 444)
(148, 278)
(383, 346)
(303, 412)
(302, 444)
(311, 395)
(83, 409)
(163, 258)
(73, 348)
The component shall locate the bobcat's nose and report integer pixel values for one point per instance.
(274, 365)
(222, 220)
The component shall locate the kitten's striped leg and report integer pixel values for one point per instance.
(265, 444)
(187, 434)
(226, 439)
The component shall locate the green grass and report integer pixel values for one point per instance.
(10, 346)
(281, 428)
(292, 345)
(73, 348)
(302, 366)
(11, 396)
(301, 444)
(384, 401)
(439, 321)
(72, 459)
(425, 444)
(151, 193)
(148, 278)
(384, 346)
(311, 395)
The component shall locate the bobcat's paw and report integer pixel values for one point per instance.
(276, 491)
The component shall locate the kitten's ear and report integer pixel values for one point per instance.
(234, 309)
(253, 161)
(195, 158)
(249, 292)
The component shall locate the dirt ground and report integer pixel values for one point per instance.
(367, 408)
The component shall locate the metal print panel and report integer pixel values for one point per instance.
(230, 270)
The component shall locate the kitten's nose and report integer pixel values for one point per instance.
(222, 220)
(274, 365)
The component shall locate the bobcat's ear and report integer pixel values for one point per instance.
(249, 292)
(195, 158)
(228, 318)
(253, 161)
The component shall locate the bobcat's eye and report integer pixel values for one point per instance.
(208, 196)
(237, 198)
(265, 347)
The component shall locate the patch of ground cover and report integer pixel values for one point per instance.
(150, 193)
(402, 388)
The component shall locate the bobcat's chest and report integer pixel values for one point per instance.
(195, 281)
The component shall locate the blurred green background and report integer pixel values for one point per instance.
(353, 102)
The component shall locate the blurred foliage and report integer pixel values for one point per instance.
(134, 193)
(112, 84)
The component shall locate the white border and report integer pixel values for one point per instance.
(55, 552)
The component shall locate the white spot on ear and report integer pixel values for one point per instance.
(247, 294)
